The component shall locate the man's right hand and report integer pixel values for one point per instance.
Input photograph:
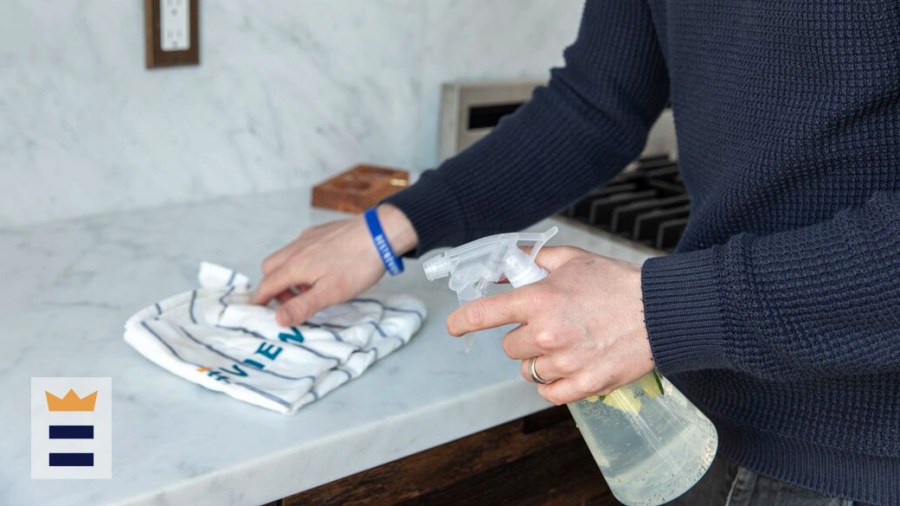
(329, 264)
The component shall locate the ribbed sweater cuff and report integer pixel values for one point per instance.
(682, 311)
(433, 210)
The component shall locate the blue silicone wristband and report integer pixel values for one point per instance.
(392, 263)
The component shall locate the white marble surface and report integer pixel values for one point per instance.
(286, 93)
(69, 286)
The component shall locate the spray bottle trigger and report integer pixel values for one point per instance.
(546, 236)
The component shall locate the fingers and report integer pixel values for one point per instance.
(563, 391)
(290, 293)
(277, 259)
(285, 296)
(539, 368)
(489, 312)
(552, 257)
(564, 387)
(551, 367)
(280, 280)
(299, 308)
(519, 344)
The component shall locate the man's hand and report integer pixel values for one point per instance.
(584, 322)
(329, 264)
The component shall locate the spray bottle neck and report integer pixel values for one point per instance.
(520, 269)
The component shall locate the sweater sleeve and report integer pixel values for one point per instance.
(823, 300)
(572, 136)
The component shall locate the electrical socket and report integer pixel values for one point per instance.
(172, 32)
(174, 28)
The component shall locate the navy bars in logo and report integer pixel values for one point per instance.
(71, 432)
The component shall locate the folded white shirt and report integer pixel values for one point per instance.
(214, 337)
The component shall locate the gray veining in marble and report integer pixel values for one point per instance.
(69, 286)
(286, 94)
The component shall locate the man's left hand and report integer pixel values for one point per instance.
(584, 323)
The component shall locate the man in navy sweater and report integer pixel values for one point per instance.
(779, 313)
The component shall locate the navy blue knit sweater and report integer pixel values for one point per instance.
(779, 314)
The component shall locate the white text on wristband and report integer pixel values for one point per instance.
(392, 263)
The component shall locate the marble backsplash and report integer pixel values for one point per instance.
(287, 93)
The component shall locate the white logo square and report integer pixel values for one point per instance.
(71, 428)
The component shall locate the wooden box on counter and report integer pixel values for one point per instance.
(359, 188)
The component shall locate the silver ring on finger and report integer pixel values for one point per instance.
(534, 374)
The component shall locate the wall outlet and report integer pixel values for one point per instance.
(175, 30)
(172, 28)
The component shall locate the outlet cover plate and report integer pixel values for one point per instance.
(172, 38)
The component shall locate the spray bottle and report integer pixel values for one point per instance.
(650, 442)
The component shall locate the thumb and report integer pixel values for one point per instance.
(562, 391)
(299, 308)
(552, 257)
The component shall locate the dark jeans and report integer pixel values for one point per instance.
(728, 484)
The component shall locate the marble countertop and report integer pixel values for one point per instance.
(68, 287)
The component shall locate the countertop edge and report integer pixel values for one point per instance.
(511, 400)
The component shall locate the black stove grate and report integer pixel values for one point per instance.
(648, 205)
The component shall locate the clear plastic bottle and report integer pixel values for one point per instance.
(650, 442)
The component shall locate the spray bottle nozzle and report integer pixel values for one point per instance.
(475, 266)
(437, 268)
(480, 251)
